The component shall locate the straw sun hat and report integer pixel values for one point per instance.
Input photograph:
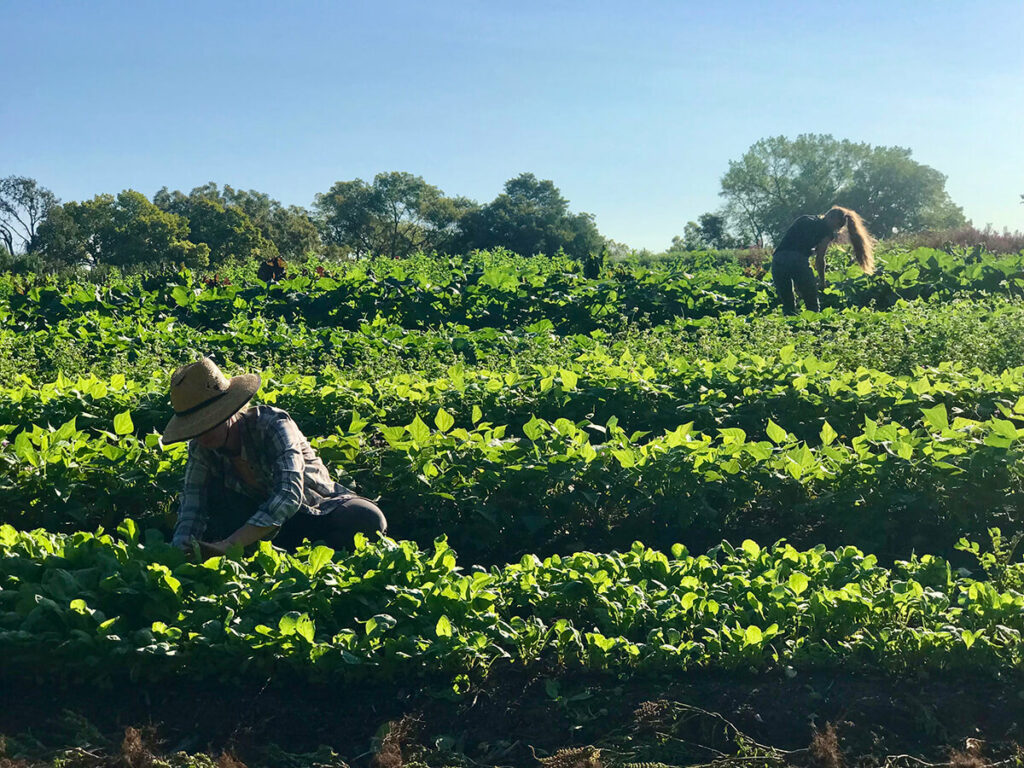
(202, 398)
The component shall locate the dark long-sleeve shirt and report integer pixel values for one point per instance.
(804, 235)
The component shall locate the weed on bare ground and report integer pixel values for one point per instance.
(824, 748)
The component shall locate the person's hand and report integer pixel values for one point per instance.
(212, 548)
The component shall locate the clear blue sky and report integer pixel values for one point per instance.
(634, 109)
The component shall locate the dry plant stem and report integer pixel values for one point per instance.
(893, 760)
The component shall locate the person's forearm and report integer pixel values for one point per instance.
(248, 534)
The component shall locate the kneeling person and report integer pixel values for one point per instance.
(251, 474)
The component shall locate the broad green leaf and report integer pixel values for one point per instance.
(182, 296)
(418, 431)
(625, 458)
(80, 606)
(751, 548)
(319, 557)
(1004, 428)
(921, 386)
(733, 435)
(564, 427)
(305, 627)
(752, 636)
(443, 627)
(66, 431)
(761, 450)
(123, 423)
(794, 468)
(172, 583)
(936, 418)
(677, 436)
(798, 582)
(288, 622)
(24, 449)
(870, 428)
(129, 530)
(532, 429)
(443, 420)
(997, 441)
(828, 435)
(776, 433)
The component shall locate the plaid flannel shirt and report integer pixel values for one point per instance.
(292, 477)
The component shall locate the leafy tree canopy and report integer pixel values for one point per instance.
(709, 232)
(126, 231)
(285, 230)
(226, 229)
(397, 215)
(779, 179)
(532, 217)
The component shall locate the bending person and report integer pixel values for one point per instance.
(251, 474)
(812, 234)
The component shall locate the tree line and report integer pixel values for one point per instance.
(399, 213)
(395, 215)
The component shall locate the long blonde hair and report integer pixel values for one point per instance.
(860, 238)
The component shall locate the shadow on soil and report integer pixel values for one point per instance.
(528, 718)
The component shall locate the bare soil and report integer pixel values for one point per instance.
(524, 718)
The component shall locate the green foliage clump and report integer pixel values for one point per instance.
(685, 451)
(100, 607)
(125, 231)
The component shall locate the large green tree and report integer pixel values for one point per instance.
(290, 229)
(778, 179)
(397, 215)
(23, 206)
(530, 217)
(226, 229)
(125, 231)
(710, 231)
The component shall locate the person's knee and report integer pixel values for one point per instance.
(365, 517)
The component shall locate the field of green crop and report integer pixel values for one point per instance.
(635, 519)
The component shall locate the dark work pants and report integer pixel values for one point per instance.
(343, 518)
(788, 269)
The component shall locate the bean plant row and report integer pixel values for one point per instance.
(97, 607)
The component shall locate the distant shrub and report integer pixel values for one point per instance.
(947, 240)
(753, 257)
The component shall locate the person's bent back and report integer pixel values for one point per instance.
(251, 474)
